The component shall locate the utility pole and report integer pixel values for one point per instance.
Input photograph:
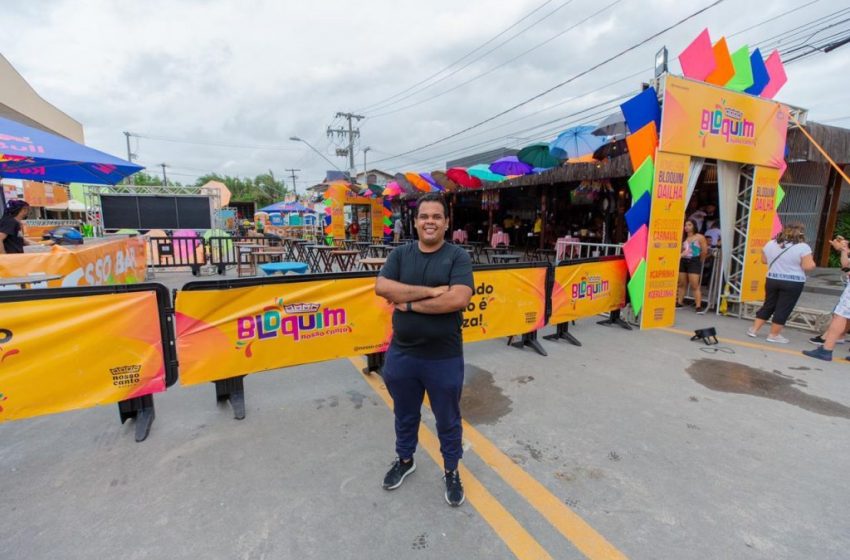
(294, 176)
(130, 154)
(352, 134)
(164, 178)
(365, 170)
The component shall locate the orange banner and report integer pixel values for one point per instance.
(75, 352)
(505, 302)
(703, 120)
(664, 245)
(759, 229)
(121, 261)
(44, 194)
(588, 289)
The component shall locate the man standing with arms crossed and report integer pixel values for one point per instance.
(430, 283)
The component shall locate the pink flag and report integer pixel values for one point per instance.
(777, 225)
(635, 249)
(697, 59)
(776, 71)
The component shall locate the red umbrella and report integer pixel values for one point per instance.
(445, 182)
(462, 178)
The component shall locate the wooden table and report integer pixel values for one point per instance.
(245, 264)
(324, 254)
(25, 282)
(372, 263)
(362, 247)
(345, 259)
(380, 251)
(506, 258)
(279, 253)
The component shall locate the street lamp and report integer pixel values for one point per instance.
(297, 139)
(365, 170)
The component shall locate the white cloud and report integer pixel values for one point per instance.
(256, 72)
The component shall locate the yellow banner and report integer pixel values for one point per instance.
(225, 333)
(239, 331)
(664, 245)
(759, 231)
(121, 261)
(68, 353)
(588, 289)
(505, 303)
(703, 120)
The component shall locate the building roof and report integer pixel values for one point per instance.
(483, 157)
(834, 140)
(21, 103)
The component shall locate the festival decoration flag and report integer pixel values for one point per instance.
(776, 71)
(723, 70)
(760, 75)
(743, 77)
(780, 195)
(697, 60)
(635, 248)
(642, 144)
(637, 287)
(641, 180)
(638, 214)
(642, 109)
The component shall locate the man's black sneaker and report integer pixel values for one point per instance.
(397, 473)
(819, 340)
(702, 309)
(454, 489)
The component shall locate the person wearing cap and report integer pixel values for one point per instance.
(11, 227)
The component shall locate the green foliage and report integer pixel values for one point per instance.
(149, 179)
(263, 189)
(842, 228)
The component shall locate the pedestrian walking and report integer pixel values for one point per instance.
(841, 313)
(430, 283)
(788, 258)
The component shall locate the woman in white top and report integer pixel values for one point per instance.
(788, 258)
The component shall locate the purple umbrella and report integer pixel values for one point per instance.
(431, 181)
(510, 165)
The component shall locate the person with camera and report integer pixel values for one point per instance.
(841, 313)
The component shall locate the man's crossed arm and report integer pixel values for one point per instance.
(423, 299)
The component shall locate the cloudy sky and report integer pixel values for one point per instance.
(222, 85)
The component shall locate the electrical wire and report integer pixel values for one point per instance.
(568, 80)
(502, 65)
(384, 104)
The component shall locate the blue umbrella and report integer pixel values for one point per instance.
(30, 153)
(285, 207)
(575, 142)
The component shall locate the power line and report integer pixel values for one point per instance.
(510, 60)
(469, 63)
(215, 144)
(521, 131)
(774, 18)
(459, 60)
(567, 81)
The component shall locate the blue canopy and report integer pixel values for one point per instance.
(30, 153)
(285, 207)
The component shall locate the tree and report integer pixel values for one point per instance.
(263, 189)
(148, 179)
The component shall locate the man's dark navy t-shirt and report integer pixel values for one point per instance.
(422, 335)
(14, 242)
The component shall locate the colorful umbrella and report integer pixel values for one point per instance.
(30, 153)
(421, 184)
(444, 181)
(482, 171)
(406, 186)
(611, 149)
(510, 165)
(431, 181)
(538, 156)
(392, 189)
(575, 142)
(462, 178)
(612, 125)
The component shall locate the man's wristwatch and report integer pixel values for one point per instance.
(410, 306)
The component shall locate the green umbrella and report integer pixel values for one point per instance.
(537, 155)
(482, 171)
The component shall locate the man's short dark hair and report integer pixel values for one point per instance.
(433, 197)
